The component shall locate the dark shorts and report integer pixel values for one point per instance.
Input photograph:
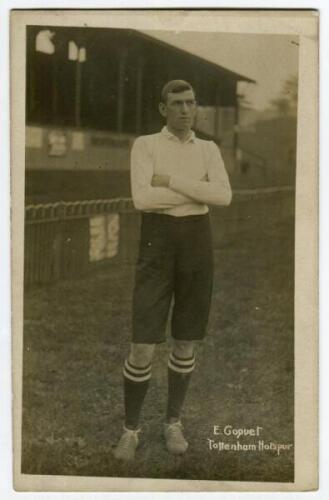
(175, 263)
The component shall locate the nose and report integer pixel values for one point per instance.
(184, 107)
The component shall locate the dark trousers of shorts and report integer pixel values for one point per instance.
(175, 263)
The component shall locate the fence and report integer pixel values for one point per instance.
(63, 239)
(58, 237)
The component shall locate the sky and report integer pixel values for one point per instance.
(268, 59)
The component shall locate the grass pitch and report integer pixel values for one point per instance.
(76, 336)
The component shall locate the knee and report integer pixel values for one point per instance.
(183, 348)
(141, 354)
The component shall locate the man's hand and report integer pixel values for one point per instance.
(160, 181)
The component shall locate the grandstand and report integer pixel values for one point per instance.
(82, 114)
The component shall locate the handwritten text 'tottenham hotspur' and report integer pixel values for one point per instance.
(255, 441)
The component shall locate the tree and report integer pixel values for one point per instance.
(286, 102)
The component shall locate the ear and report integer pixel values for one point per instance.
(163, 109)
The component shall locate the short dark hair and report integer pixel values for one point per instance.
(174, 86)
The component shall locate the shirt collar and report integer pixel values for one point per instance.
(170, 135)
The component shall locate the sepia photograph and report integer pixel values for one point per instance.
(159, 242)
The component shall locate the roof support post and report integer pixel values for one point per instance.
(216, 115)
(121, 89)
(236, 120)
(54, 90)
(139, 94)
(77, 110)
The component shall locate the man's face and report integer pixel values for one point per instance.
(179, 110)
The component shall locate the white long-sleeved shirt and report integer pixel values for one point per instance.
(196, 169)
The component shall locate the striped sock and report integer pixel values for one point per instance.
(179, 374)
(136, 382)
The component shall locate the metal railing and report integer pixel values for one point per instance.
(62, 210)
(57, 237)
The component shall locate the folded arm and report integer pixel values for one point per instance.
(215, 189)
(145, 196)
